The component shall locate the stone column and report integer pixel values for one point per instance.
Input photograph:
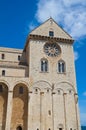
(9, 110)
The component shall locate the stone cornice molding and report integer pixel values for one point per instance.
(47, 38)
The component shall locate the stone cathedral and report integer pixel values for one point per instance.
(38, 83)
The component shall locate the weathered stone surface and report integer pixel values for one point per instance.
(48, 100)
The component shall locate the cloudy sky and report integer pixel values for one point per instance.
(19, 17)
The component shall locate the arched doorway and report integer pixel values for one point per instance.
(3, 104)
(20, 107)
(19, 128)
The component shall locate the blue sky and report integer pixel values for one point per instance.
(19, 17)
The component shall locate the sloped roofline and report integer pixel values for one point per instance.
(54, 22)
(32, 35)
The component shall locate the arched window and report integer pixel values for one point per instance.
(19, 57)
(21, 90)
(19, 128)
(44, 65)
(61, 66)
(3, 56)
(3, 72)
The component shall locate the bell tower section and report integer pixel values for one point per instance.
(50, 58)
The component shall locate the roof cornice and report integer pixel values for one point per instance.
(47, 38)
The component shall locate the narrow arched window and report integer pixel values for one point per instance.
(3, 56)
(44, 65)
(19, 57)
(19, 128)
(61, 66)
(3, 72)
(21, 90)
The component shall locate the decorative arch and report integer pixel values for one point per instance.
(58, 90)
(42, 85)
(65, 86)
(22, 83)
(5, 82)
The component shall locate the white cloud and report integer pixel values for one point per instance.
(84, 94)
(70, 13)
(76, 55)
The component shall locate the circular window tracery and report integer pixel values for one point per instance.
(52, 49)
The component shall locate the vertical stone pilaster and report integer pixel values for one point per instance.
(0, 126)
(30, 111)
(9, 110)
(64, 97)
(77, 112)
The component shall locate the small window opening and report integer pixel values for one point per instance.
(70, 128)
(60, 128)
(47, 90)
(1, 88)
(36, 90)
(49, 129)
(19, 128)
(21, 90)
(19, 57)
(49, 112)
(70, 93)
(37, 129)
(51, 33)
(58, 91)
(3, 72)
(3, 56)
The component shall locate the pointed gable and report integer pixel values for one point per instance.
(51, 26)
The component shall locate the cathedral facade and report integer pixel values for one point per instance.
(38, 83)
